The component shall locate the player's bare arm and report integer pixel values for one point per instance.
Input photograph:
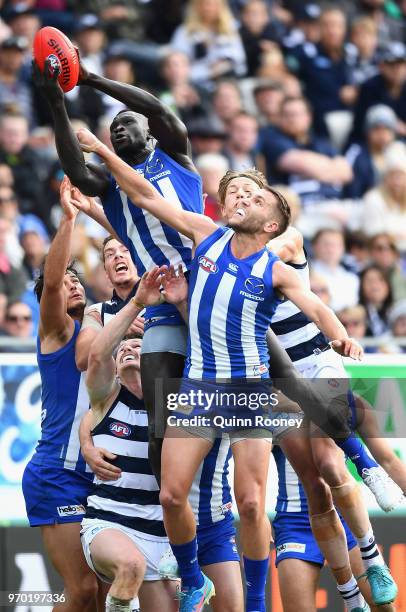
(56, 326)
(175, 289)
(290, 285)
(96, 457)
(92, 180)
(194, 225)
(91, 327)
(101, 372)
(164, 125)
(288, 246)
(92, 209)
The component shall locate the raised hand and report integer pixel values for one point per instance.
(80, 201)
(89, 143)
(148, 292)
(348, 348)
(175, 287)
(47, 80)
(83, 73)
(66, 197)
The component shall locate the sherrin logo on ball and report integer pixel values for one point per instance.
(52, 44)
(207, 264)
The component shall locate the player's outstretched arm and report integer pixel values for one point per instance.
(91, 180)
(165, 126)
(288, 245)
(54, 320)
(290, 285)
(139, 190)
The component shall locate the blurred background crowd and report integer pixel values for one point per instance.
(312, 94)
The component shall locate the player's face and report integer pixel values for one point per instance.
(128, 133)
(249, 213)
(239, 189)
(118, 264)
(75, 292)
(128, 357)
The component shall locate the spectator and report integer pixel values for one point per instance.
(227, 100)
(356, 251)
(293, 199)
(385, 254)
(325, 70)
(306, 28)
(12, 280)
(117, 67)
(362, 49)
(241, 141)
(256, 32)
(23, 20)
(268, 97)
(6, 176)
(91, 40)
(273, 65)
(293, 155)
(9, 211)
(18, 320)
(123, 19)
(15, 94)
(319, 286)
(328, 252)
(397, 320)
(354, 319)
(185, 99)
(207, 135)
(385, 206)
(29, 170)
(35, 242)
(212, 167)
(388, 28)
(375, 294)
(99, 288)
(210, 39)
(368, 160)
(388, 87)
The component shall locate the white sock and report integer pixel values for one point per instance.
(369, 551)
(351, 594)
(113, 604)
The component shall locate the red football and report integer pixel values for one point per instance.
(53, 44)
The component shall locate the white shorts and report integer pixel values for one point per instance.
(152, 550)
(328, 364)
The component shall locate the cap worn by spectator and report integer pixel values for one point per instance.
(89, 21)
(31, 223)
(392, 53)
(206, 128)
(308, 12)
(381, 115)
(15, 42)
(16, 10)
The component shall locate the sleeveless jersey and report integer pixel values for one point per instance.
(150, 242)
(110, 308)
(231, 303)
(64, 402)
(291, 495)
(133, 499)
(296, 332)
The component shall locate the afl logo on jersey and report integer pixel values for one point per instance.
(254, 285)
(208, 265)
(121, 430)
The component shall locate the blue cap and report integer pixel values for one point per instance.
(31, 223)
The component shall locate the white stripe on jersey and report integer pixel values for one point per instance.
(303, 334)
(150, 512)
(284, 310)
(218, 325)
(196, 356)
(134, 235)
(82, 405)
(194, 493)
(132, 480)
(135, 417)
(169, 193)
(292, 489)
(249, 347)
(216, 502)
(120, 446)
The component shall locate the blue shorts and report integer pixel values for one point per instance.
(294, 538)
(216, 543)
(55, 495)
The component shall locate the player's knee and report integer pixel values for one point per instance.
(250, 508)
(319, 495)
(130, 568)
(172, 497)
(331, 470)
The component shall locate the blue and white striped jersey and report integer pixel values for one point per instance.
(150, 242)
(291, 495)
(64, 401)
(296, 332)
(231, 303)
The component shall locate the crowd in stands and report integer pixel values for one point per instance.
(312, 94)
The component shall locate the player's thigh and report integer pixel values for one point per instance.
(159, 365)
(112, 550)
(298, 582)
(63, 546)
(157, 595)
(251, 464)
(357, 568)
(227, 580)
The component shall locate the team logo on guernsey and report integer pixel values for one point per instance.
(121, 430)
(154, 166)
(254, 285)
(208, 265)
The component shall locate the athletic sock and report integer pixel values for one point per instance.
(189, 569)
(356, 451)
(351, 594)
(114, 604)
(256, 573)
(369, 551)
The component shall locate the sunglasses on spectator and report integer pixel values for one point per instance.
(15, 318)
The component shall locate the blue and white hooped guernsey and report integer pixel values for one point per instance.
(231, 303)
(295, 331)
(151, 242)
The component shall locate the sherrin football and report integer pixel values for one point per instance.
(53, 44)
